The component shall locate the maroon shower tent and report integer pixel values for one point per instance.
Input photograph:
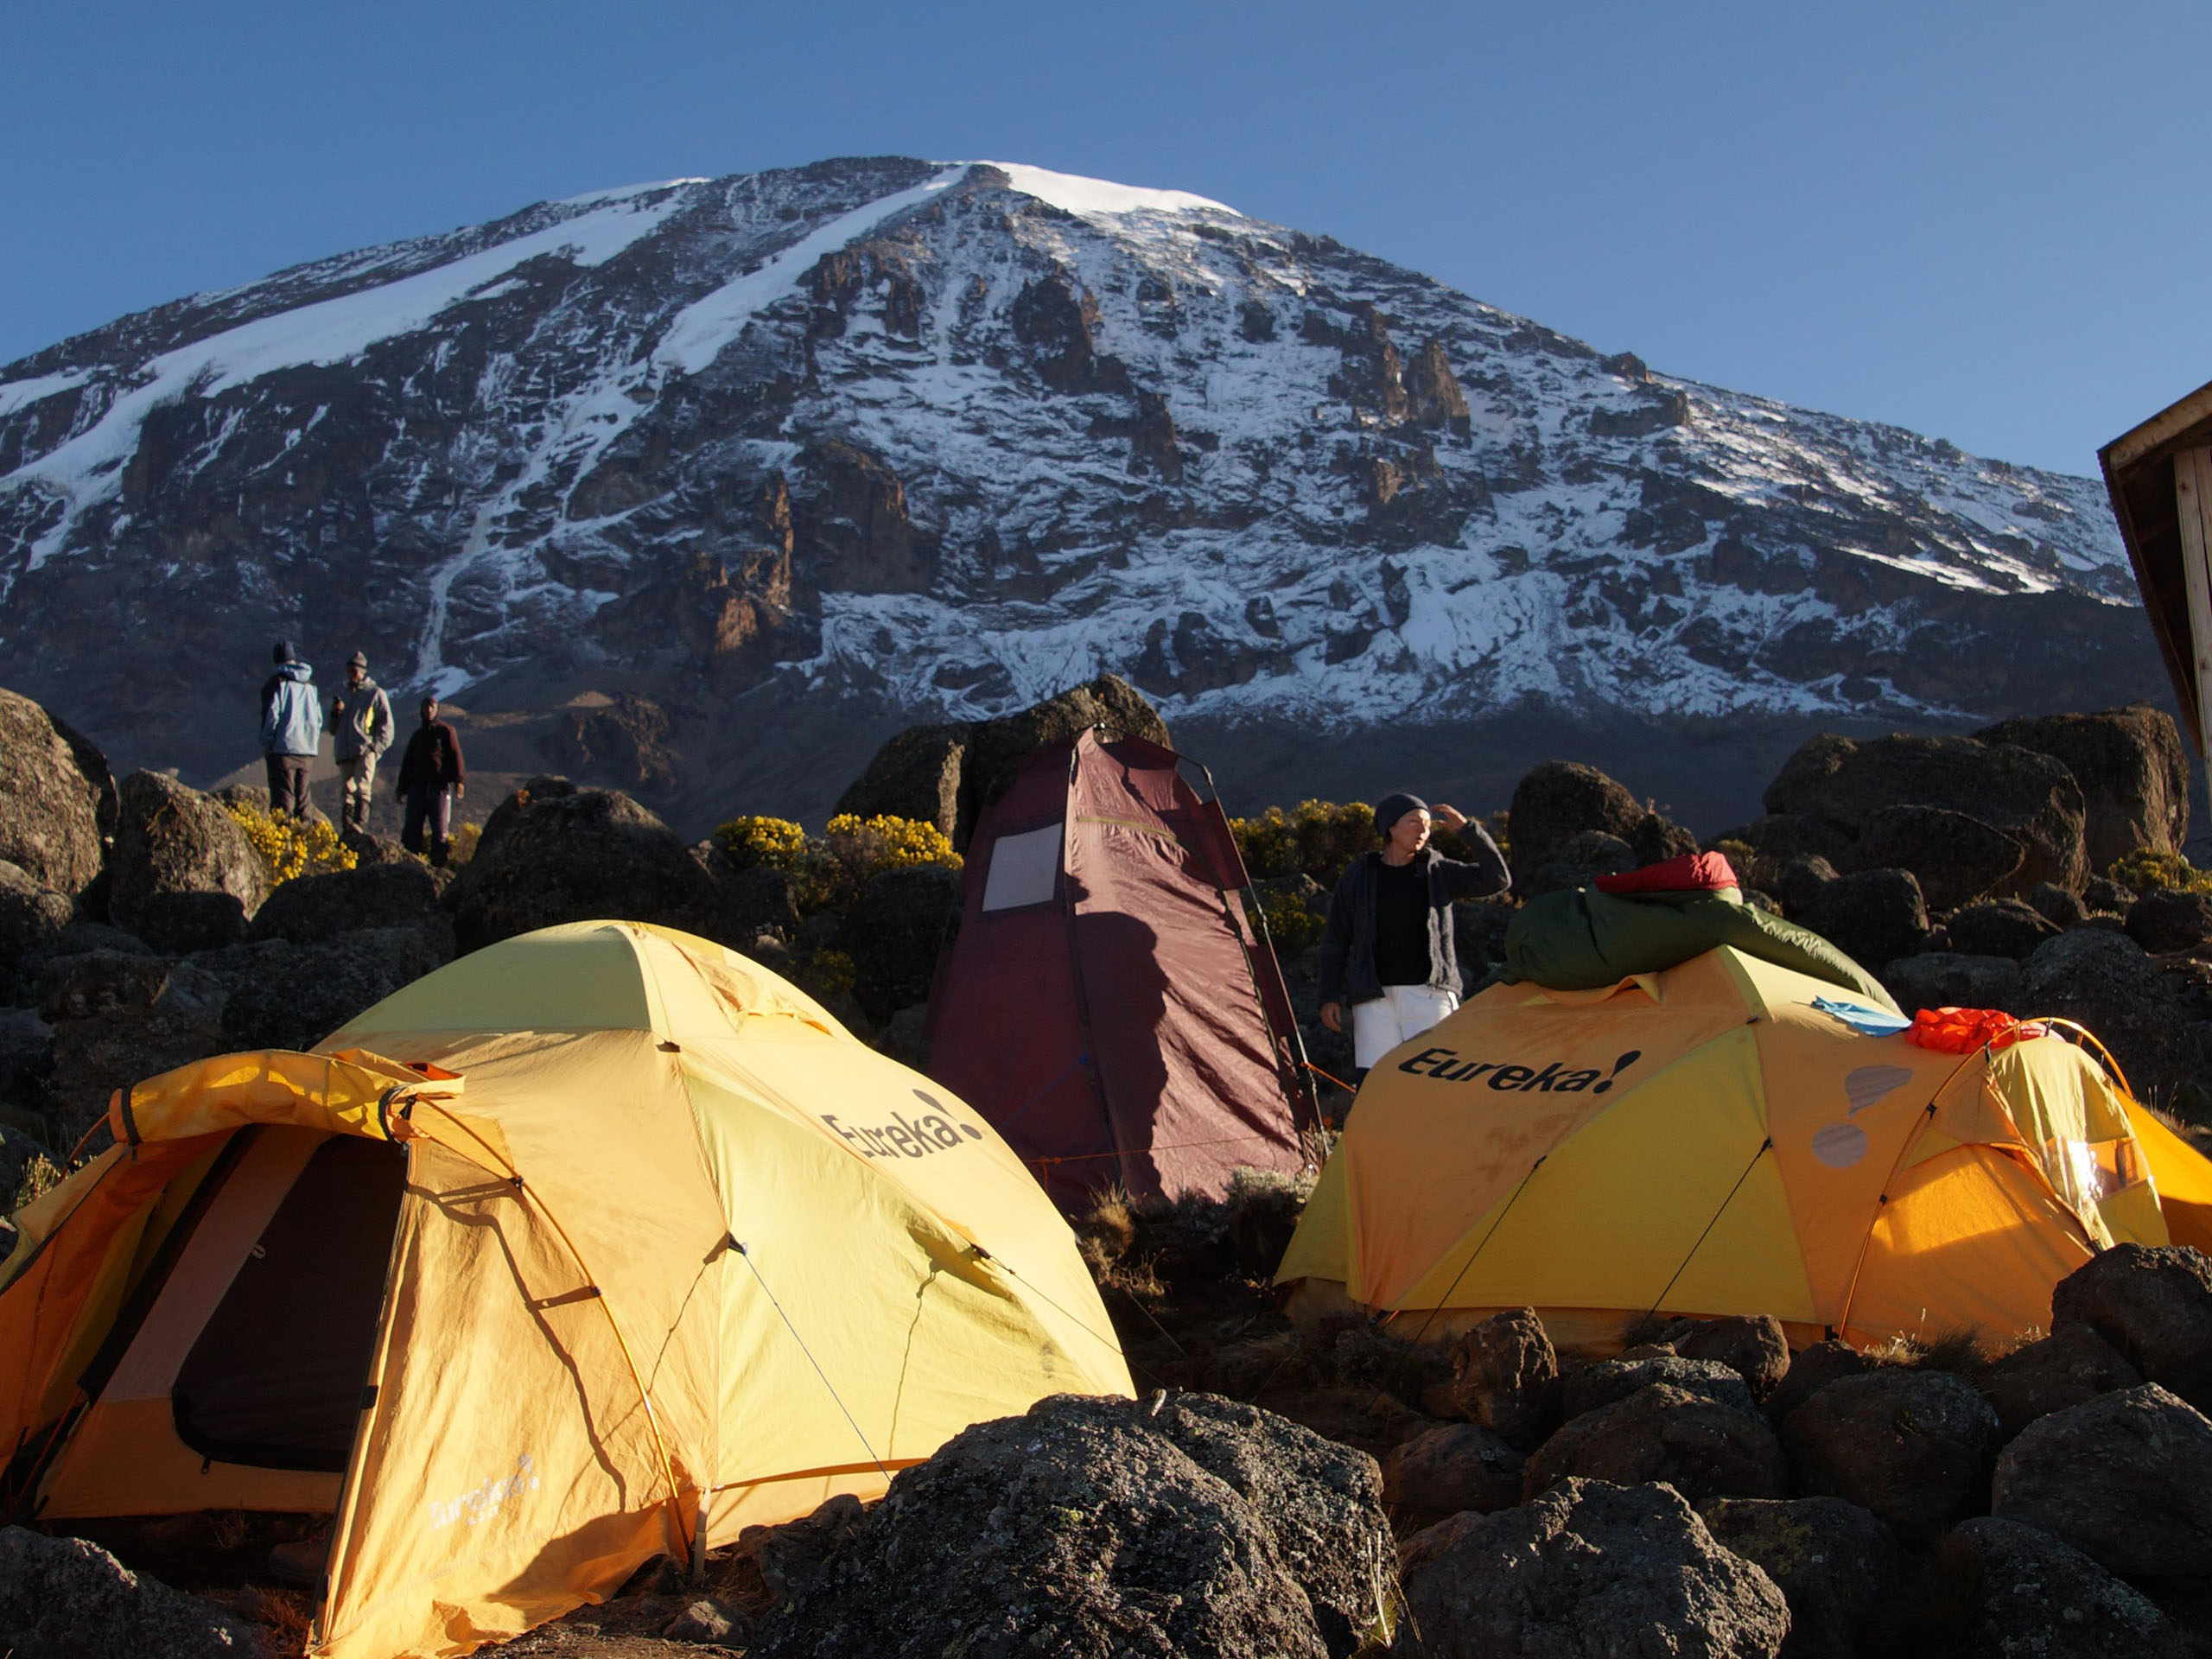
(1111, 1003)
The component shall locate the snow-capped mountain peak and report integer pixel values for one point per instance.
(882, 439)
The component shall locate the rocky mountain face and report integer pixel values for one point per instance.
(705, 487)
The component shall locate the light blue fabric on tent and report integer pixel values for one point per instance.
(1867, 1022)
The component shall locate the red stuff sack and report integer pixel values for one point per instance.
(1691, 873)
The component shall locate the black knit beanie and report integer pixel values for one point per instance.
(282, 654)
(1394, 806)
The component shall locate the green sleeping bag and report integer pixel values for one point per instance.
(1582, 938)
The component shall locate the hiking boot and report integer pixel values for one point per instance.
(302, 1560)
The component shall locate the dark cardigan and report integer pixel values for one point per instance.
(1348, 947)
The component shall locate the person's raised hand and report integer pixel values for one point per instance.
(1449, 816)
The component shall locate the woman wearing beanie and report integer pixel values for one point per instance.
(1388, 949)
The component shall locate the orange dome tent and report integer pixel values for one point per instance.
(1715, 1138)
(599, 1244)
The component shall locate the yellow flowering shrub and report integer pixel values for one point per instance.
(1318, 838)
(462, 847)
(1293, 924)
(827, 975)
(870, 846)
(777, 842)
(828, 870)
(2145, 871)
(289, 847)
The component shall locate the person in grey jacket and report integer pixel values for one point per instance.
(1389, 950)
(291, 730)
(360, 723)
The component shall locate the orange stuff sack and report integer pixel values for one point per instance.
(1962, 1030)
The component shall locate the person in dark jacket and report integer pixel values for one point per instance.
(431, 778)
(1389, 950)
(291, 730)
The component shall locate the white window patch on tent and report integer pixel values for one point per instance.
(1023, 870)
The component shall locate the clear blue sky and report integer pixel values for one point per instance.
(1986, 222)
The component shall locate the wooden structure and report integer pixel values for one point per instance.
(2160, 478)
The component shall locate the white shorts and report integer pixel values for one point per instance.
(1400, 1014)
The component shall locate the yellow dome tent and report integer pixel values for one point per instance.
(599, 1243)
(1705, 1140)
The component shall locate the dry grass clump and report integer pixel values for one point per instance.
(1962, 1352)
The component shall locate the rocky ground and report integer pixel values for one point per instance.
(1274, 1489)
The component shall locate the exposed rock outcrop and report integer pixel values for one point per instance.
(2132, 769)
(1699, 1446)
(1587, 1568)
(553, 853)
(66, 1598)
(1199, 1526)
(1913, 1446)
(1833, 1561)
(2125, 1478)
(1848, 783)
(183, 875)
(50, 808)
(946, 775)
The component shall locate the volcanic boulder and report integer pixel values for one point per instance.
(1846, 782)
(2057, 906)
(553, 853)
(1833, 1561)
(1943, 979)
(66, 1598)
(2125, 1477)
(1505, 1377)
(117, 1020)
(1791, 835)
(1459, 1466)
(1811, 1370)
(2169, 918)
(2004, 1589)
(946, 775)
(279, 995)
(1913, 1446)
(1587, 855)
(31, 917)
(2103, 980)
(1592, 1388)
(1091, 1526)
(311, 909)
(1872, 916)
(2003, 927)
(1956, 857)
(1752, 1346)
(2070, 1366)
(1631, 1572)
(2130, 765)
(183, 875)
(50, 808)
(916, 774)
(1556, 801)
(2154, 1305)
(1699, 1446)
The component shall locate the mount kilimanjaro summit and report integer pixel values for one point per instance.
(710, 485)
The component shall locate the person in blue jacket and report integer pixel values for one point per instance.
(291, 730)
(1389, 950)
